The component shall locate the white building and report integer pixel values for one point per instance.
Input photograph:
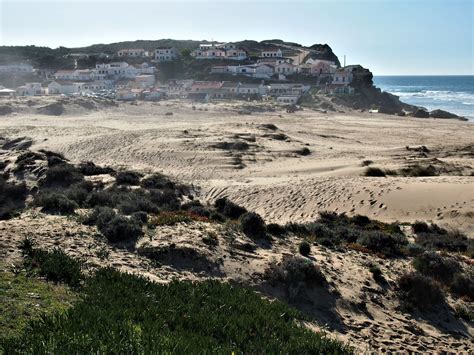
(63, 87)
(16, 68)
(117, 70)
(285, 68)
(94, 86)
(30, 89)
(76, 75)
(219, 51)
(166, 54)
(288, 99)
(128, 94)
(134, 53)
(271, 53)
(252, 89)
(342, 76)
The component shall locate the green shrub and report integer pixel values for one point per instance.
(374, 172)
(128, 178)
(381, 242)
(88, 168)
(157, 181)
(293, 270)
(463, 313)
(367, 162)
(125, 314)
(252, 225)
(434, 265)
(414, 249)
(376, 272)
(114, 227)
(228, 208)
(419, 291)
(463, 285)
(56, 266)
(304, 248)
(140, 216)
(100, 198)
(419, 171)
(12, 198)
(61, 175)
(276, 229)
(55, 203)
(303, 151)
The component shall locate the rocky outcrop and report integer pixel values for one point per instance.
(421, 113)
(55, 109)
(324, 52)
(367, 96)
(5, 110)
(445, 114)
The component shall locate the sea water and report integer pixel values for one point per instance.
(450, 93)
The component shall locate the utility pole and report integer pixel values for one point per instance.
(344, 60)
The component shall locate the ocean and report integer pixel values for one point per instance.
(450, 93)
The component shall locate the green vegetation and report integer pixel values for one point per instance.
(123, 313)
(376, 272)
(304, 248)
(24, 298)
(418, 291)
(374, 172)
(252, 225)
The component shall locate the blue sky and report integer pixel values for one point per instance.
(389, 37)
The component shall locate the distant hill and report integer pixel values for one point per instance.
(54, 58)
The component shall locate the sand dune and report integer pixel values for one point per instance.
(269, 175)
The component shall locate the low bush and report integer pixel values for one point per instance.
(128, 178)
(157, 181)
(463, 312)
(462, 285)
(140, 216)
(374, 172)
(55, 203)
(100, 198)
(125, 314)
(294, 270)
(61, 175)
(252, 225)
(384, 243)
(169, 218)
(435, 237)
(419, 291)
(413, 249)
(276, 229)
(419, 171)
(114, 227)
(232, 146)
(88, 168)
(367, 162)
(376, 272)
(166, 199)
(304, 248)
(303, 151)
(436, 266)
(55, 266)
(228, 208)
(12, 198)
(27, 160)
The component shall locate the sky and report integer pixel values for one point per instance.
(404, 37)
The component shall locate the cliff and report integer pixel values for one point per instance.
(367, 96)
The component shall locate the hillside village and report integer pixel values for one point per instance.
(276, 73)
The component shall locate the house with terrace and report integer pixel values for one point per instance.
(165, 54)
(132, 53)
(219, 51)
(271, 53)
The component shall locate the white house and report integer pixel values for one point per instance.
(77, 75)
(178, 88)
(277, 89)
(252, 89)
(16, 68)
(262, 71)
(95, 86)
(63, 87)
(166, 54)
(219, 51)
(316, 61)
(270, 53)
(342, 76)
(285, 68)
(117, 70)
(134, 52)
(30, 89)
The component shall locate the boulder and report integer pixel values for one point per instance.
(442, 114)
(55, 109)
(420, 113)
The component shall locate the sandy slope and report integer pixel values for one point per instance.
(270, 177)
